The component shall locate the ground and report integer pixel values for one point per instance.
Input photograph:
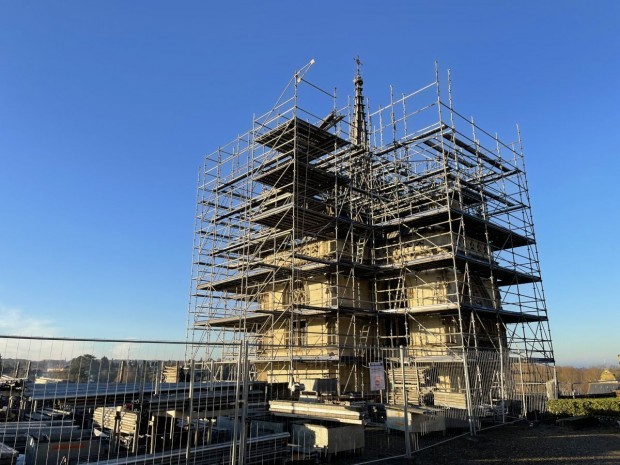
(520, 443)
(529, 444)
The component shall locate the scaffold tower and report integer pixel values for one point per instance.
(331, 237)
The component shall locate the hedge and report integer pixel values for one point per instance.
(608, 406)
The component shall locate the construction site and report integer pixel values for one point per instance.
(355, 255)
(365, 284)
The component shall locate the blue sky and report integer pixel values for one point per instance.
(106, 109)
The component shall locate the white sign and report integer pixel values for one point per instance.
(377, 376)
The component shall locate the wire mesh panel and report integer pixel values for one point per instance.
(81, 401)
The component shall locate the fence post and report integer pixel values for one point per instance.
(405, 406)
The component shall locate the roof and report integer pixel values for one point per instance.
(38, 392)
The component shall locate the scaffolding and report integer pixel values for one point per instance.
(329, 237)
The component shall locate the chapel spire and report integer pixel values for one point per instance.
(359, 133)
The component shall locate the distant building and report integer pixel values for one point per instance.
(603, 388)
(607, 376)
(53, 375)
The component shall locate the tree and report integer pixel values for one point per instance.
(84, 368)
(106, 371)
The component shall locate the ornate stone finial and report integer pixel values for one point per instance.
(357, 80)
(359, 64)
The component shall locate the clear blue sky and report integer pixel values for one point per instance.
(106, 109)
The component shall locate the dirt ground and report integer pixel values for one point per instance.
(529, 444)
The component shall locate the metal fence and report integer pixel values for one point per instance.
(80, 401)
